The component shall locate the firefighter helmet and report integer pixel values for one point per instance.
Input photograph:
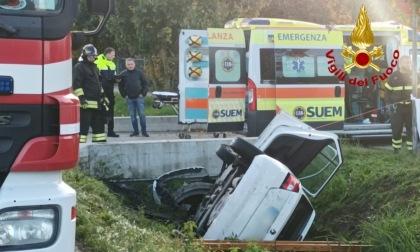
(89, 50)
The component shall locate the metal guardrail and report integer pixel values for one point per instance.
(286, 246)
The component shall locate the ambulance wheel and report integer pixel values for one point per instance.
(187, 136)
(224, 135)
(181, 135)
(226, 154)
(216, 135)
(245, 149)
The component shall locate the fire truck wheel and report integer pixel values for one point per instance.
(216, 135)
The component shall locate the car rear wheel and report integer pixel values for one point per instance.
(245, 149)
(226, 154)
(190, 196)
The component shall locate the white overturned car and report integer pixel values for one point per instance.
(261, 192)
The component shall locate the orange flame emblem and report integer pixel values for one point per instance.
(362, 38)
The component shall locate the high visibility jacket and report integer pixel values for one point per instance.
(107, 71)
(86, 84)
(398, 88)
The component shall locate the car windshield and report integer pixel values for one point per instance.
(29, 5)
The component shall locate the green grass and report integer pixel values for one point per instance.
(121, 108)
(105, 224)
(372, 199)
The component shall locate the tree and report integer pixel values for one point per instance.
(151, 28)
(321, 12)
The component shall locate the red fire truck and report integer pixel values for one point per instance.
(39, 121)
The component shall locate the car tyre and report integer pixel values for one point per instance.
(226, 154)
(191, 195)
(245, 149)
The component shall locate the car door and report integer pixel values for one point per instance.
(311, 155)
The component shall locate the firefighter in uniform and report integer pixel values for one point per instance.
(397, 96)
(107, 71)
(87, 86)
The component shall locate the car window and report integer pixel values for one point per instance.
(319, 171)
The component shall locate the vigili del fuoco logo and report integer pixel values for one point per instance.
(361, 37)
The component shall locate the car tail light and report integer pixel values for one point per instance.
(73, 213)
(291, 183)
(28, 228)
(252, 95)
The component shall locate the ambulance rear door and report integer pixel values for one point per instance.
(193, 76)
(227, 80)
(305, 86)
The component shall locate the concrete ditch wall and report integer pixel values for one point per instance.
(146, 158)
(150, 159)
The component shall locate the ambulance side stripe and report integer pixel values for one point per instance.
(196, 114)
(196, 93)
(324, 92)
(229, 93)
(196, 103)
(281, 93)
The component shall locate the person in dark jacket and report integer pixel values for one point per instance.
(107, 71)
(134, 87)
(87, 87)
(397, 96)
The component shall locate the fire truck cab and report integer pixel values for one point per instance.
(39, 122)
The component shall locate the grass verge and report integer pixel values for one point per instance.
(121, 108)
(105, 224)
(372, 199)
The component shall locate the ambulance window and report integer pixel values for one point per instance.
(227, 65)
(321, 62)
(305, 66)
(267, 66)
(298, 67)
